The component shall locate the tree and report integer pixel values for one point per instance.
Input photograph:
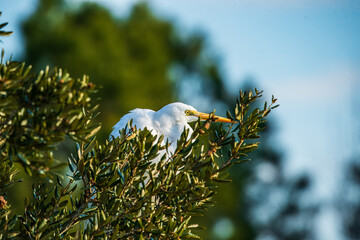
(144, 61)
(121, 194)
(111, 51)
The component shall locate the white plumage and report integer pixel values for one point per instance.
(169, 121)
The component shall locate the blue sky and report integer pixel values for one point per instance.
(304, 52)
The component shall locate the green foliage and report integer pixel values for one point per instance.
(38, 111)
(111, 190)
(123, 195)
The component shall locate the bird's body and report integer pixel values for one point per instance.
(169, 121)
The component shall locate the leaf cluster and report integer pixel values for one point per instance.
(124, 195)
(38, 111)
(112, 190)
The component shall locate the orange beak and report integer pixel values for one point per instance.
(205, 116)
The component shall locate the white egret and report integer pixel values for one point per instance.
(169, 121)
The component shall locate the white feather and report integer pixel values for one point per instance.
(169, 121)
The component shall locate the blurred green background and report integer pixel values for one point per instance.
(142, 59)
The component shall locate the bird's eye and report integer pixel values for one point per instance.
(189, 112)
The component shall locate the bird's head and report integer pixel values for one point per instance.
(185, 113)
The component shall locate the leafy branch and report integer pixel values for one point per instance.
(113, 190)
